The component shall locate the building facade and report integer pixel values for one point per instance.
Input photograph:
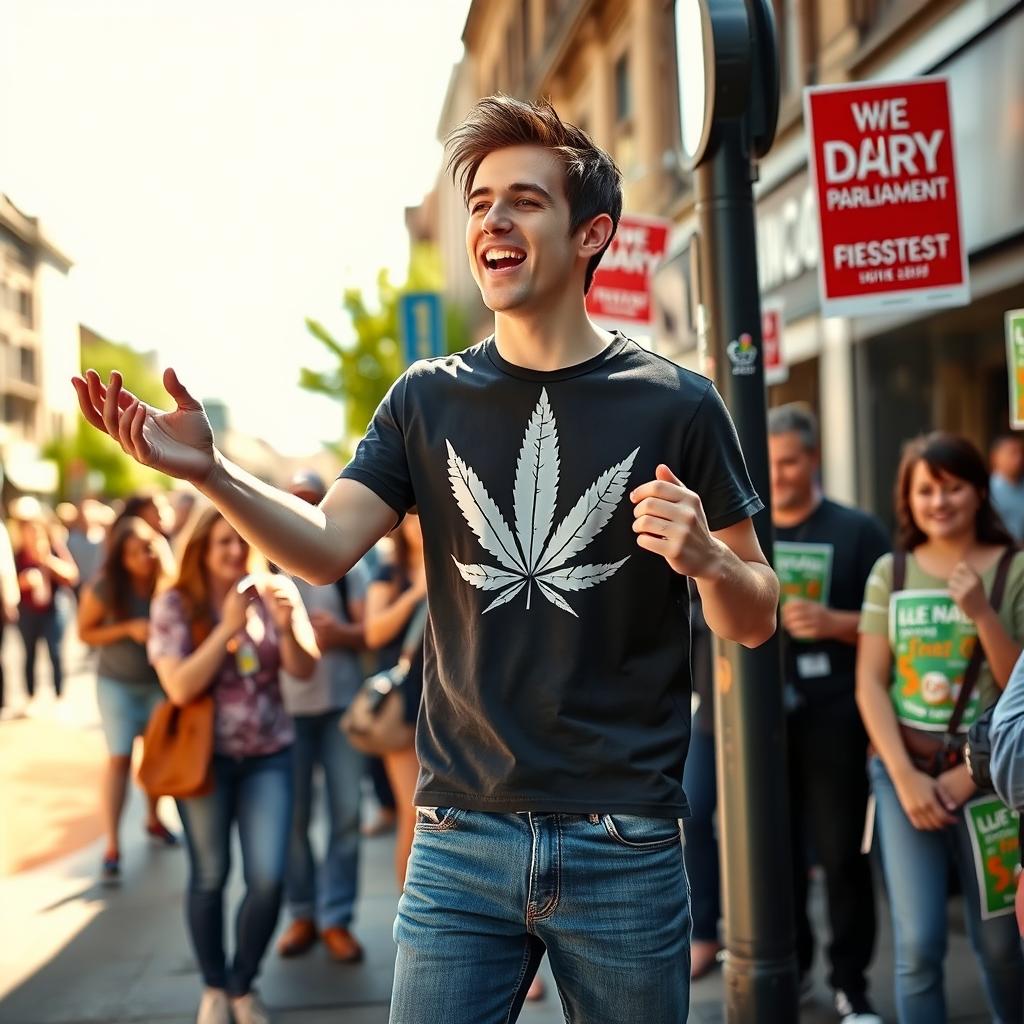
(39, 348)
(610, 66)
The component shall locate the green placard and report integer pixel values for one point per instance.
(1015, 365)
(994, 830)
(804, 570)
(932, 641)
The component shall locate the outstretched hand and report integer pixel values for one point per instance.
(179, 443)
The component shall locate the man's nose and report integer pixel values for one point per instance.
(496, 220)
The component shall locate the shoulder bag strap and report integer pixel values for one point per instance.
(413, 639)
(978, 654)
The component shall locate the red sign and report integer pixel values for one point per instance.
(775, 368)
(621, 291)
(883, 166)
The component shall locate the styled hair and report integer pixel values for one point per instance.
(795, 418)
(113, 571)
(593, 184)
(946, 455)
(190, 581)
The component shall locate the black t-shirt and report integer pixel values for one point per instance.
(556, 670)
(824, 671)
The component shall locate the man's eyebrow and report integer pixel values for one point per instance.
(516, 186)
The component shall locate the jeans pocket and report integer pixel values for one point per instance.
(637, 832)
(437, 819)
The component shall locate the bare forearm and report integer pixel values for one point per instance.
(882, 728)
(349, 635)
(739, 599)
(103, 636)
(290, 532)
(844, 626)
(382, 627)
(1001, 650)
(194, 674)
(295, 658)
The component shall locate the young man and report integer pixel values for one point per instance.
(567, 482)
(1007, 483)
(824, 555)
(322, 901)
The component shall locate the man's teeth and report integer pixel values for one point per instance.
(494, 255)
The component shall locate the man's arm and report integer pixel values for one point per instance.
(738, 588)
(317, 543)
(1007, 738)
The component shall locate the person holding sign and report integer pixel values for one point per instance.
(941, 630)
(824, 552)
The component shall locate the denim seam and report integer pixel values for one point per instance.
(552, 905)
(533, 872)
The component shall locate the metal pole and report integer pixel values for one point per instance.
(760, 966)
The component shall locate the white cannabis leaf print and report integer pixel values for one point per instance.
(535, 555)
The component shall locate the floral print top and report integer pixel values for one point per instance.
(250, 720)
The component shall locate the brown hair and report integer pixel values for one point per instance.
(593, 184)
(191, 582)
(113, 571)
(946, 455)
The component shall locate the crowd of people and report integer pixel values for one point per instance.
(173, 603)
(563, 545)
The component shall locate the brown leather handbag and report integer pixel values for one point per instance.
(177, 751)
(935, 753)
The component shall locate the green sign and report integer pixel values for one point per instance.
(804, 570)
(1015, 365)
(994, 830)
(932, 641)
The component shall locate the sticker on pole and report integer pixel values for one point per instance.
(883, 167)
(621, 290)
(995, 841)
(1015, 366)
(776, 370)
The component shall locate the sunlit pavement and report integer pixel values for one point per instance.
(75, 952)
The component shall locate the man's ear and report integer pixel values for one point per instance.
(595, 235)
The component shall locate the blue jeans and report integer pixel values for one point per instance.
(701, 848)
(487, 894)
(329, 899)
(35, 626)
(916, 863)
(255, 793)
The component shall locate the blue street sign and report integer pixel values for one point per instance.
(421, 323)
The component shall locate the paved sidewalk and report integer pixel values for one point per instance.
(74, 952)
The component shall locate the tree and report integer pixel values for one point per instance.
(371, 363)
(88, 451)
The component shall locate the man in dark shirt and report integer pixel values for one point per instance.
(568, 482)
(824, 552)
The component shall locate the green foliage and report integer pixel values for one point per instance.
(369, 364)
(88, 452)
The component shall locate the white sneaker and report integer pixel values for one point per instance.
(249, 1010)
(214, 1007)
(855, 1008)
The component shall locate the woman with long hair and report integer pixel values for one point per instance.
(227, 627)
(44, 565)
(910, 672)
(113, 615)
(392, 599)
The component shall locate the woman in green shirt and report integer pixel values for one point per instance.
(915, 644)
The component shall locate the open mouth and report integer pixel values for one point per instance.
(498, 259)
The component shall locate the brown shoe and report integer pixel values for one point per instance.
(342, 945)
(299, 938)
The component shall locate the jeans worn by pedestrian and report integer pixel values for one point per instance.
(256, 794)
(487, 894)
(329, 899)
(35, 626)
(916, 864)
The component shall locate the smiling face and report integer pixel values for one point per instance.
(520, 251)
(227, 555)
(944, 507)
(793, 469)
(139, 555)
